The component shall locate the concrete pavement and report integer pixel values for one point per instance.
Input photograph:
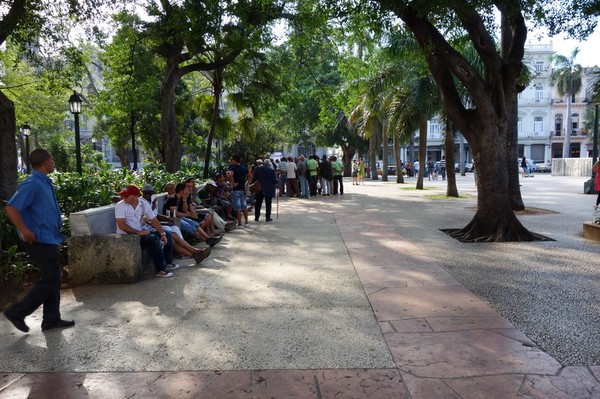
(346, 297)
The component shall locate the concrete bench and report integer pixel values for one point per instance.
(98, 255)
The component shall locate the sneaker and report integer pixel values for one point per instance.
(163, 274)
(239, 226)
(247, 226)
(202, 254)
(172, 267)
(183, 257)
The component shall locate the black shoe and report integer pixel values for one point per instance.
(17, 322)
(58, 324)
(269, 220)
(256, 219)
(213, 241)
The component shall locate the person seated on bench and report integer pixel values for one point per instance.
(187, 225)
(129, 214)
(202, 215)
(180, 245)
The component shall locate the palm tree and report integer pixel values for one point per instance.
(567, 77)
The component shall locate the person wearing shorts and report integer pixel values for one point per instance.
(238, 174)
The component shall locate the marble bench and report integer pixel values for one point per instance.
(98, 255)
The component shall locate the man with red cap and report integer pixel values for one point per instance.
(131, 215)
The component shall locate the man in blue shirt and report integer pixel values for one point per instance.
(238, 174)
(34, 211)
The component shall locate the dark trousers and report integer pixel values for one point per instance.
(160, 255)
(259, 200)
(338, 180)
(46, 291)
(312, 183)
(292, 188)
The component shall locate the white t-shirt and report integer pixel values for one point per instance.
(291, 170)
(134, 217)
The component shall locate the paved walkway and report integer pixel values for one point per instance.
(331, 300)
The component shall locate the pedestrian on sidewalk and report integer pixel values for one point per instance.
(268, 182)
(596, 170)
(34, 211)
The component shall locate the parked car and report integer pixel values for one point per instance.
(391, 170)
(544, 167)
(468, 167)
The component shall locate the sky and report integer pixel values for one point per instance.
(588, 50)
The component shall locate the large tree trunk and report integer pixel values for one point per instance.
(484, 121)
(168, 122)
(494, 219)
(422, 152)
(8, 149)
(512, 151)
(451, 189)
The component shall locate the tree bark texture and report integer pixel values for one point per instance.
(8, 149)
(451, 189)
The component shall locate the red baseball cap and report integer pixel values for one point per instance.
(130, 190)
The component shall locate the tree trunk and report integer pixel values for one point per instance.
(512, 151)
(422, 152)
(451, 189)
(132, 134)
(567, 144)
(399, 175)
(168, 122)
(384, 152)
(8, 149)
(217, 90)
(373, 150)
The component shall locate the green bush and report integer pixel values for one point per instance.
(75, 193)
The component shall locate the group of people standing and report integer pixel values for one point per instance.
(303, 177)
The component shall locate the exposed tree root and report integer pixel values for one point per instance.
(507, 229)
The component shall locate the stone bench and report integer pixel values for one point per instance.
(98, 255)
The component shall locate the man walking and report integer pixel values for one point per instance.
(34, 211)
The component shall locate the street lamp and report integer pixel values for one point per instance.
(94, 143)
(75, 103)
(26, 132)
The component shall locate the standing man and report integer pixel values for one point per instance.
(237, 175)
(302, 170)
(443, 167)
(292, 180)
(34, 211)
(338, 179)
(313, 169)
(268, 181)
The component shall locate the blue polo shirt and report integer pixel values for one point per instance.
(36, 201)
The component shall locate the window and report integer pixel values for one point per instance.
(539, 66)
(538, 124)
(558, 121)
(539, 92)
(519, 124)
(434, 127)
(575, 123)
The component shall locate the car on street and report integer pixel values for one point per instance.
(544, 167)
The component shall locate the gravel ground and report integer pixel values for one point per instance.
(550, 290)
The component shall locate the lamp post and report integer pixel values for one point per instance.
(75, 103)
(94, 143)
(26, 132)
